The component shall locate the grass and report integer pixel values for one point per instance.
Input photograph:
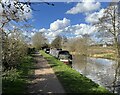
(73, 81)
(102, 52)
(104, 55)
(15, 81)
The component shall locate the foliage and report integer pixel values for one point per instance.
(56, 43)
(13, 50)
(15, 80)
(64, 42)
(38, 40)
(73, 81)
(12, 40)
(13, 10)
(79, 45)
(31, 50)
(13, 44)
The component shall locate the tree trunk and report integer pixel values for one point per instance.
(117, 70)
(118, 50)
(117, 47)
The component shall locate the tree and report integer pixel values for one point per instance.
(56, 43)
(13, 47)
(109, 25)
(71, 45)
(64, 42)
(38, 40)
(11, 13)
(79, 45)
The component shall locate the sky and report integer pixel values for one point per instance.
(48, 14)
(71, 19)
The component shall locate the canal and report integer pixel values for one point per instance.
(105, 72)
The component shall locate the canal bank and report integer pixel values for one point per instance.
(73, 81)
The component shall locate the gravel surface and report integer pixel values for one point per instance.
(44, 80)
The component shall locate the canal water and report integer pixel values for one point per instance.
(102, 71)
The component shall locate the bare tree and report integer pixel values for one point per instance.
(64, 42)
(79, 45)
(57, 42)
(71, 45)
(39, 40)
(109, 25)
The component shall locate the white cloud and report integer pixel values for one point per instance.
(79, 30)
(84, 6)
(94, 17)
(34, 30)
(32, 33)
(50, 35)
(1, 9)
(85, 29)
(59, 24)
(69, 31)
(43, 30)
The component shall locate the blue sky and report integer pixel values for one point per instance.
(69, 19)
(48, 14)
(72, 19)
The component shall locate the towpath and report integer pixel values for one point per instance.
(44, 80)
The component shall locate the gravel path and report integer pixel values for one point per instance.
(44, 80)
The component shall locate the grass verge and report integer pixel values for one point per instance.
(73, 81)
(15, 81)
(105, 56)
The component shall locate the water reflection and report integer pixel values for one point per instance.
(116, 82)
(102, 71)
